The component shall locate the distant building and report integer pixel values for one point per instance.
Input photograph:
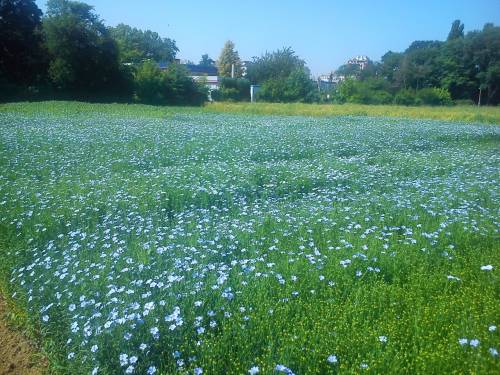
(361, 61)
(208, 73)
(328, 82)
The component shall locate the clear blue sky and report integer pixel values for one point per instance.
(324, 33)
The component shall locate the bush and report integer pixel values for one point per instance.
(232, 89)
(298, 87)
(434, 96)
(371, 91)
(171, 86)
(405, 97)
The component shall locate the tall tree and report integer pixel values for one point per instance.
(457, 30)
(229, 57)
(84, 57)
(136, 45)
(206, 60)
(283, 75)
(20, 41)
(278, 64)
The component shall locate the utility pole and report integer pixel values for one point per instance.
(232, 70)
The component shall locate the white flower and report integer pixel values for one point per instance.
(463, 341)
(155, 332)
(492, 328)
(151, 370)
(332, 358)
(45, 318)
(254, 370)
(94, 348)
(286, 370)
(133, 360)
(382, 338)
(493, 352)
(474, 343)
(198, 371)
(129, 370)
(71, 355)
(488, 267)
(123, 360)
(95, 370)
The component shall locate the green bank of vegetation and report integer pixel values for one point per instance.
(470, 114)
(69, 53)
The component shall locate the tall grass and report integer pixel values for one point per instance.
(488, 115)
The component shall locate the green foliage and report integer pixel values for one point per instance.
(172, 86)
(460, 65)
(274, 65)
(232, 89)
(457, 30)
(206, 61)
(229, 57)
(297, 87)
(283, 77)
(90, 66)
(136, 45)
(405, 97)
(434, 96)
(21, 56)
(370, 91)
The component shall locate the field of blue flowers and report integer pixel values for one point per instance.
(236, 244)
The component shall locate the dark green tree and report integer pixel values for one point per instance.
(206, 60)
(274, 65)
(283, 76)
(457, 30)
(136, 45)
(84, 57)
(171, 86)
(21, 57)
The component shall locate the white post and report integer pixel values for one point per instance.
(232, 70)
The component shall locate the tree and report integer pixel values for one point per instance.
(136, 45)
(283, 76)
(274, 65)
(21, 60)
(457, 30)
(84, 57)
(229, 57)
(206, 61)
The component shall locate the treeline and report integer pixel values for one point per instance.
(463, 69)
(69, 53)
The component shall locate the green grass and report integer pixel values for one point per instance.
(488, 115)
(301, 238)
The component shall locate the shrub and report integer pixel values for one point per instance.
(405, 97)
(172, 86)
(232, 89)
(434, 96)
